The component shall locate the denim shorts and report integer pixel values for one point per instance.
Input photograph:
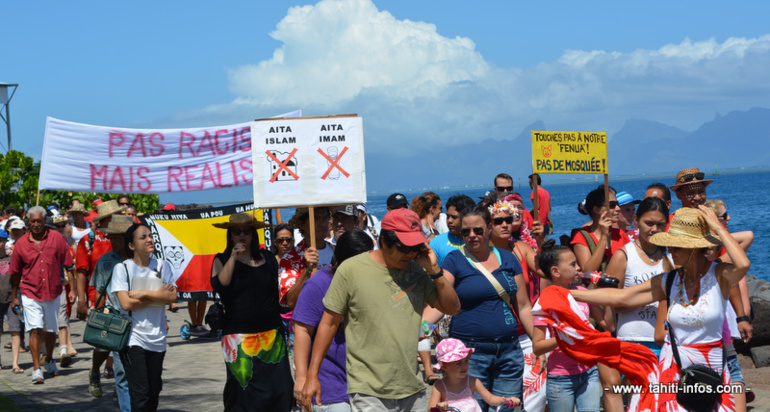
(564, 392)
(499, 365)
(735, 369)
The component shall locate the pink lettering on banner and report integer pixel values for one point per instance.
(137, 145)
(159, 146)
(116, 139)
(222, 134)
(209, 176)
(207, 144)
(245, 140)
(174, 173)
(246, 165)
(122, 179)
(183, 141)
(99, 173)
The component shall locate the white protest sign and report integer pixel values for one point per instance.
(308, 161)
(88, 158)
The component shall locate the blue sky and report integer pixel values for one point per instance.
(421, 73)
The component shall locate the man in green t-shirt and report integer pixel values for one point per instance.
(381, 295)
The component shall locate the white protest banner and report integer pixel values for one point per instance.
(88, 158)
(308, 161)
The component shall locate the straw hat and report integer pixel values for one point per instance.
(241, 219)
(60, 219)
(77, 207)
(119, 224)
(688, 230)
(690, 176)
(107, 208)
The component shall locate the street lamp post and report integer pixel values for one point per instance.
(5, 100)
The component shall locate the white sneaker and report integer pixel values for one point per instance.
(51, 368)
(37, 376)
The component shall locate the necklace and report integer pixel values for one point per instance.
(683, 286)
(649, 255)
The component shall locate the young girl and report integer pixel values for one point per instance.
(570, 383)
(457, 388)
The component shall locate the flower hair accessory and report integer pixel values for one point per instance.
(503, 206)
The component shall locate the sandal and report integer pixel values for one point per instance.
(7, 345)
(431, 379)
(72, 353)
(18, 370)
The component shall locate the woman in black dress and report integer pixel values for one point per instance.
(253, 342)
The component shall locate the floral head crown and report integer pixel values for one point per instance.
(503, 206)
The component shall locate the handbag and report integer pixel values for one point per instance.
(215, 316)
(108, 330)
(697, 389)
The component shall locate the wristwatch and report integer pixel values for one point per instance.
(437, 275)
(740, 319)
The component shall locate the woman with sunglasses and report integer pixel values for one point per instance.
(253, 336)
(284, 240)
(596, 242)
(698, 290)
(428, 207)
(486, 322)
(507, 233)
(637, 262)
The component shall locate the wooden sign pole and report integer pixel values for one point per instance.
(311, 216)
(535, 200)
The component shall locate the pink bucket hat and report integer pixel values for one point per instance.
(451, 350)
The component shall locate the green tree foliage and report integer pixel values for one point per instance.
(18, 187)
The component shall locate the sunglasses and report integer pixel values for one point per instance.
(724, 216)
(691, 177)
(466, 231)
(409, 249)
(499, 221)
(123, 204)
(614, 204)
(504, 188)
(237, 231)
(284, 239)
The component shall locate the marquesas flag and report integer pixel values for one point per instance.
(188, 241)
(581, 342)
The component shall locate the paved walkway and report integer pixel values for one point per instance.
(193, 377)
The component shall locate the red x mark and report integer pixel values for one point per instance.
(334, 163)
(282, 165)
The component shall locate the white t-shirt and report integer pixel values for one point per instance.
(78, 234)
(148, 329)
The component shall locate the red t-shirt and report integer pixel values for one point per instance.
(618, 237)
(40, 266)
(544, 200)
(87, 254)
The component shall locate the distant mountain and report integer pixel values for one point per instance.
(738, 139)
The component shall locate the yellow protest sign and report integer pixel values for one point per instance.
(569, 152)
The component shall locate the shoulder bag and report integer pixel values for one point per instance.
(108, 330)
(697, 383)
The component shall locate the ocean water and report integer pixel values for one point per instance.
(741, 192)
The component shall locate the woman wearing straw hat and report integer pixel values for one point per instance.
(698, 295)
(253, 336)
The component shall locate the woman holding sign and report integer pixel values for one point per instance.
(595, 243)
(253, 336)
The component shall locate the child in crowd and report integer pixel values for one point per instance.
(457, 389)
(570, 383)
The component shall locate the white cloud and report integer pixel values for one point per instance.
(417, 89)
(336, 49)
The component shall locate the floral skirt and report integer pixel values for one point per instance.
(258, 372)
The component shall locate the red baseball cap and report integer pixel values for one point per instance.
(407, 226)
(169, 207)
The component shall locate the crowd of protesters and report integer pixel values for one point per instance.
(360, 303)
